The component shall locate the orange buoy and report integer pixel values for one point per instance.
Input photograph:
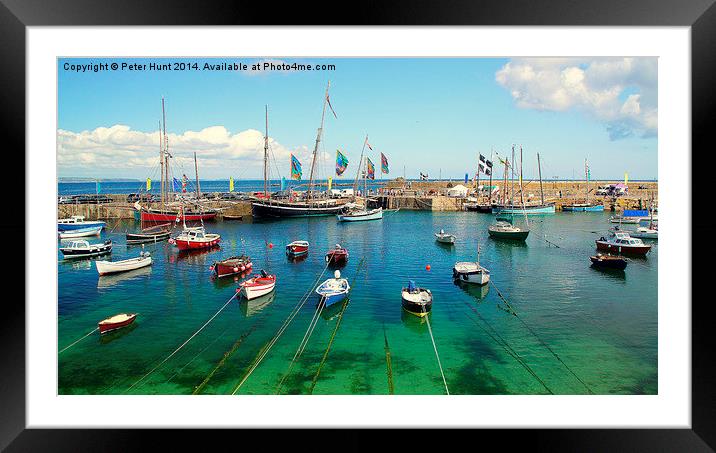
(270, 245)
(427, 268)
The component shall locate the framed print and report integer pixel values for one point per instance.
(443, 225)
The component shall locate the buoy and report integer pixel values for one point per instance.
(427, 268)
(337, 274)
(211, 268)
(236, 269)
(270, 245)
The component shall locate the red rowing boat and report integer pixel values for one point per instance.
(338, 255)
(116, 322)
(231, 266)
(297, 248)
(258, 285)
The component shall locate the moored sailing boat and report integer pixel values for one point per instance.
(532, 208)
(268, 207)
(584, 207)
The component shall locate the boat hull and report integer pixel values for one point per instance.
(251, 290)
(294, 251)
(112, 267)
(418, 308)
(93, 251)
(79, 233)
(376, 214)
(578, 208)
(232, 267)
(639, 250)
(608, 263)
(478, 277)
(108, 327)
(280, 210)
(508, 235)
(336, 257)
(542, 209)
(169, 216)
(79, 225)
(183, 244)
(485, 209)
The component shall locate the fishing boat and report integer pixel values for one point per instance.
(358, 215)
(168, 211)
(231, 266)
(337, 255)
(588, 206)
(78, 222)
(192, 238)
(416, 301)
(312, 205)
(621, 242)
(504, 229)
(156, 233)
(82, 232)
(257, 286)
(297, 248)
(83, 249)
(608, 261)
(471, 272)
(116, 322)
(444, 237)
(112, 267)
(333, 290)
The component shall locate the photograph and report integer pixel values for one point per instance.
(267, 225)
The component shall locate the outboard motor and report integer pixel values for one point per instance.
(263, 273)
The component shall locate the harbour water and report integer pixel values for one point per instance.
(577, 329)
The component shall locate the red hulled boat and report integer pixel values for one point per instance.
(231, 266)
(620, 242)
(158, 215)
(257, 286)
(193, 238)
(116, 322)
(338, 255)
(297, 248)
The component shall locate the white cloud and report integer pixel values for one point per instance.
(121, 151)
(619, 92)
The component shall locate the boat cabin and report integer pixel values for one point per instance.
(73, 219)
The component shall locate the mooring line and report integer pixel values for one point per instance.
(198, 354)
(388, 365)
(267, 347)
(183, 344)
(335, 329)
(77, 341)
(427, 318)
(514, 313)
(223, 360)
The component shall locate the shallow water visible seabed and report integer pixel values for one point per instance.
(577, 328)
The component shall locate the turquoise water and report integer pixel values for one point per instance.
(601, 325)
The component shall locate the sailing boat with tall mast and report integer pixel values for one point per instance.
(533, 208)
(587, 206)
(312, 205)
(358, 213)
(504, 227)
(169, 211)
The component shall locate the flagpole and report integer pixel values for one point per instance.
(318, 140)
(360, 163)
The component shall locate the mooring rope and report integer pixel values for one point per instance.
(265, 350)
(77, 341)
(514, 313)
(183, 344)
(427, 318)
(388, 366)
(223, 360)
(198, 354)
(335, 329)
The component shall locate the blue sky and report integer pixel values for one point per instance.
(429, 115)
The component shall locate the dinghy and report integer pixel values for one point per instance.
(111, 267)
(82, 232)
(116, 322)
(297, 248)
(416, 301)
(231, 266)
(470, 272)
(156, 233)
(361, 215)
(338, 255)
(334, 289)
(444, 237)
(608, 261)
(257, 286)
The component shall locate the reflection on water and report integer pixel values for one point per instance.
(476, 291)
(113, 335)
(107, 281)
(254, 306)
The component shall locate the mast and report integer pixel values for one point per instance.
(512, 173)
(266, 156)
(196, 172)
(360, 163)
(489, 189)
(522, 195)
(318, 140)
(165, 162)
(539, 169)
(365, 184)
(161, 161)
(477, 182)
(586, 179)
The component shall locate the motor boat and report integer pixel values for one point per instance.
(503, 229)
(621, 242)
(196, 238)
(83, 249)
(444, 237)
(78, 222)
(337, 255)
(111, 267)
(333, 290)
(415, 300)
(81, 232)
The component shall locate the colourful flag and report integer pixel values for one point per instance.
(149, 184)
(329, 105)
(231, 184)
(384, 164)
(366, 142)
(177, 185)
(341, 163)
(99, 186)
(465, 177)
(371, 169)
(295, 168)
(330, 183)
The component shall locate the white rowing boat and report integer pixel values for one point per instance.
(82, 232)
(111, 267)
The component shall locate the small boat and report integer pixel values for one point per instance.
(196, 238)
(471, 272)
(77, 222)
(503, 229)
(257, 286)
(546, 208)
(484, 208)
(297, 248)
(156, 233)
(608, 261)
(81, 232)
(338, 255)
(645, 233)
(417, 301)
(621, 242)
(583, 207)
(334, 289)
(116, 322)
(232, 217)
(83, 249)
(361, 215)
(111, 267)
(231, 266)
(444, 237)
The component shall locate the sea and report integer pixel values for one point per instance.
(548, 323)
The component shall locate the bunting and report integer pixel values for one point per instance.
(296, 171)
(384, 164)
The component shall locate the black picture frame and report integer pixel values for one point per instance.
(700, 15)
